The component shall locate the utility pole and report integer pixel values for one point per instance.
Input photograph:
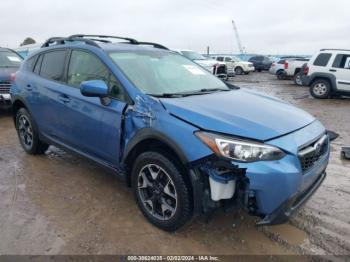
(239, 43)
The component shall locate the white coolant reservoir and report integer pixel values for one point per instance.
(222, 190)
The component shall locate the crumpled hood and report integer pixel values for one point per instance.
(242, 112)
(5, 73)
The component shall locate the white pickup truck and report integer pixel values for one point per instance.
(293, 69)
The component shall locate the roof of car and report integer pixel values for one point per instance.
(103, 42)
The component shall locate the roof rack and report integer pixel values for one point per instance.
(92, 39)
(334, 49)
(131, 40)
(63, 40)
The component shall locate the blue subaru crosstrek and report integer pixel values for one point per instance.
(185, 141)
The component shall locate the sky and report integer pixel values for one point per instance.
(266, 27)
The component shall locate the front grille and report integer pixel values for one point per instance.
(312, 153)
(5, 87)
(220, 69)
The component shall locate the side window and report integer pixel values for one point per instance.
(342, 61)
(36, 69)
(52, 65)
(220, 58)
(228, 59)
(29, 64)
(322, 59)
(84, 66)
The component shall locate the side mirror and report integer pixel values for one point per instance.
(94, 88)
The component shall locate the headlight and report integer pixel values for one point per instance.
(239, 150)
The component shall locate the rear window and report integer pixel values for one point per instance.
(281, 61)
(322, 59)
(52, 65)
(342, 61)
(9, 59)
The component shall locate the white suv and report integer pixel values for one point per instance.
(235, 65)
(328, 73)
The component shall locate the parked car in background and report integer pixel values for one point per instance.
(215, 67)
(10, 61)
(328, 73)
(292, 69)
(235, 65)
(261, 62)
(186, 142)
(25, 50)
(277, 67)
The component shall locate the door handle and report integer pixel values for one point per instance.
(64, 98)
(332, 70)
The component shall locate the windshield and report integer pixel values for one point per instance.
(193, 55)
(9, 59)
(236, 59)
(159, 73)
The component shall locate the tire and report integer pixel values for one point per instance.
(259, 70)
(239, 70)
(166, 190)
(320, 88)
(28, 134)
(297, 79)
(280, 75)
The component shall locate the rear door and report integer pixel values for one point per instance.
(89, 126)
(44, 88)
(341, 69)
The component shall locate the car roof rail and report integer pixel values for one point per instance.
(62, 41)
(92, 39)
(131, 40)
(334, 49)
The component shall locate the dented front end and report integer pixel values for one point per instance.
(268, 189)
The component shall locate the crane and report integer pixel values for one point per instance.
(239, 43)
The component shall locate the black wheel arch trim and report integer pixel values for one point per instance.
(328, 76)
(150, 133)
(15, 99)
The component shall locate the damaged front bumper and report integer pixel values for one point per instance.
(283, 213)
(271, 190)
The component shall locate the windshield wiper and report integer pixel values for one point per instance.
(168, 95)
(202, 91)
(213, 89)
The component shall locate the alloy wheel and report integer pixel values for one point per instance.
(320, 89)
(157, 192)
(25, 131)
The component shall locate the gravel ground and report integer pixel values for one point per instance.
(61, 204)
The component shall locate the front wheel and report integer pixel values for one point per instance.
(161, 191)
(238, 70)
(28, 133)
(320, 88)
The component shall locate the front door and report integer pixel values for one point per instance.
(91, 127)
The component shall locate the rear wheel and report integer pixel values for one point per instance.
(280, 75)
(320, 88)
(161, 192)
(28, 133)
(297, 79)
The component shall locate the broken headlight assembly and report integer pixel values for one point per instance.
(240, 150)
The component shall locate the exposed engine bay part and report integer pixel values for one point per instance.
(223, 184)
